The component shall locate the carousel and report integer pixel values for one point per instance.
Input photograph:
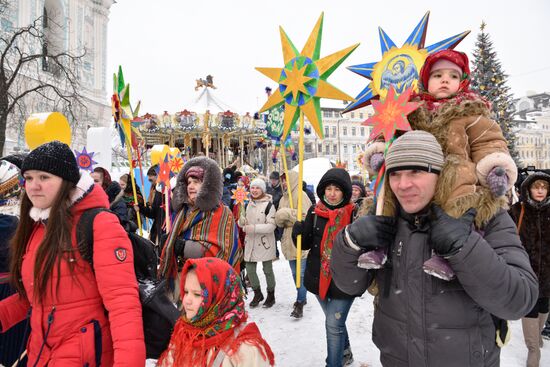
(207, 127)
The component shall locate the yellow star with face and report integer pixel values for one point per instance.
(302, 81)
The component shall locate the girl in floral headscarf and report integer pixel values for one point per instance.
(212, 330)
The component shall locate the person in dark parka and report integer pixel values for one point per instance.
(420, 320)
(532, 216)
(322, 222)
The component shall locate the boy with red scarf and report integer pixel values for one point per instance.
(322, 223)
(478, 168)
(212, 330)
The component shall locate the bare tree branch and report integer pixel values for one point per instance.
(29, 67)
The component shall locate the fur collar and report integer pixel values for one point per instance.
(210, 195)
(83, 187)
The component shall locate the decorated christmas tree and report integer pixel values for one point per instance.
(489, 80)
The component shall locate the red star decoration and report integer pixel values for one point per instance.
(240, 195)
(164, 172)
(391, 115)
(176, 164)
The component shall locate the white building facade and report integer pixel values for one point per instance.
(75, 27)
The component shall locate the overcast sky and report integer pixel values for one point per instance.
(164, 45)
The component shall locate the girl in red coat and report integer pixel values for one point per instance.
(79, 315)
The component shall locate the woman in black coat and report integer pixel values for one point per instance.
(323, 221)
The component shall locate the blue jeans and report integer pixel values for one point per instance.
(336, 313)
(302, 291)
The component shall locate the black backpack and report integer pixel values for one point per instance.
(158, 311)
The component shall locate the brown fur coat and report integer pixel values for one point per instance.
(473, 144)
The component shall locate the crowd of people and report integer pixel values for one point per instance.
(445, 259)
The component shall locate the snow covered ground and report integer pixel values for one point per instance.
(302, 342)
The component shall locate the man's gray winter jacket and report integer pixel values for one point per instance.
(422, 321)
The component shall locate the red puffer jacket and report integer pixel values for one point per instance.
(89, 318)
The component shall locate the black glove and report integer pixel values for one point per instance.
(297, 228)
(179, 246)
(447, 234)
(371, 232)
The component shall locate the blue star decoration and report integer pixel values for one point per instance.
(399, 67)
(85, 160)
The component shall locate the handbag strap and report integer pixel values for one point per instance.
(522, 212)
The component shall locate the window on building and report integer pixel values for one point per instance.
(327, 149)
(362, 131)
(308, 148)
(352, 115)
(334, 131)
(335, 149)
(354, 149)
(353, 131)
(320, 148)
(326, 131)
(361, 115)
(344, 131)
(326, 113)
(345, 149)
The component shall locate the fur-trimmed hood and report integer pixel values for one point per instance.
(524, 189)
(210, 194)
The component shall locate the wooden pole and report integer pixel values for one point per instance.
(300, 192)
(283, 158)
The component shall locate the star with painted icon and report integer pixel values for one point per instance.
(399, 66)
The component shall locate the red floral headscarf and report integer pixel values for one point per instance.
(212, 328)
(463, 93)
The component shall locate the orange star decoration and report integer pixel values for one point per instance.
(391, 115)
(240, 195)
(164, 172)
(176, 164)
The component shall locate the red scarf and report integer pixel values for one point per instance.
(337, 219)
(212, 329)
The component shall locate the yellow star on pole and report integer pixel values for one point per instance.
(302, 80)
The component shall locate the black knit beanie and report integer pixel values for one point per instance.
(54, 157)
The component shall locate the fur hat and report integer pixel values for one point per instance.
(210, 194)
(360, 186)
(258, 182)
(54, 157)
(339, 177)
(416, 150)
(9, 181)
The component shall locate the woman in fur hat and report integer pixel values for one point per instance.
(203, 226)
(213, 330)
(322, 223)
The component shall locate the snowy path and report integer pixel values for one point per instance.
(302, 342)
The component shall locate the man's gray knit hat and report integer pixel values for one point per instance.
(415, 150)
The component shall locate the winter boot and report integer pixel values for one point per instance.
(347, 358)
(543, 317)
(258, 297)
(546, 331)
(298, 311)
(531, 332)
(374, 259)
(438, 267)
(270, 300)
